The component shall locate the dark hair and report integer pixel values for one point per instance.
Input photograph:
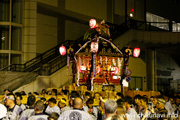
(43, 89)
(120, 94)
(17, 93)
(19, 97)
(7, 90)
(87, 94)
(54, 116)
(39, 105)
(64, 99)
(128, 99)
(137, 97)
(31, 100)
(120, 103)
(23, 93)
(171, 96)
(144, 99)
(44, 99)
(53, 100)
(74, 94)
(65, 92)
(145, 96)
(36, 93)
(177, 97)
(90, 101)
(55, 91)
(152, 97)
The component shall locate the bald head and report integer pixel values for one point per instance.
(78, 103)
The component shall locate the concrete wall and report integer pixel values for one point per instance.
(46, 33)
(138, 69)
(74, 30)
(53, 3)
(57, 79)
(40, 32)
(93, 8)
(29, 30)
(147, 37)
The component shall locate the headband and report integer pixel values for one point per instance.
(8, 97)
(162, 101)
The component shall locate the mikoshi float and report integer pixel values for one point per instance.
(99, 63)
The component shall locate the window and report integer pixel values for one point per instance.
(4, 10)
(16, 38)
(157, 21)
(4, 37)
(17, 11)
(4, 60)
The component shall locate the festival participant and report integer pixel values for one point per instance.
(23, 93)
(51, 108)
(110, 107)
(44, 101)
(43, 92)
(168, 105)
(101, 114)
(39, 115)
(13, 110)
(19, 102)
(129, 108)
(72, 96)
(7, 91)
(3, 112)
(137, 100)
(93, 111)
(77, 113)
(96, 98)
(177, 104)
(86, 96)
(54, 93)
(119, 96)
(53, 116)
(121, 110)
(64, 93)
(30, 111)
(62, 105)
(145, 111)
(161, 109)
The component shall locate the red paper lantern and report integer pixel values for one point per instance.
(92, 23)
(136, 52)
(62, 50)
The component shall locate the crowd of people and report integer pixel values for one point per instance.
(87, 105)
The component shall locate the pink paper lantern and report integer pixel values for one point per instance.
(136, 52)
(92, 23)
(98, 69)
(82, 68)
(62, 50)
(94, 47)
